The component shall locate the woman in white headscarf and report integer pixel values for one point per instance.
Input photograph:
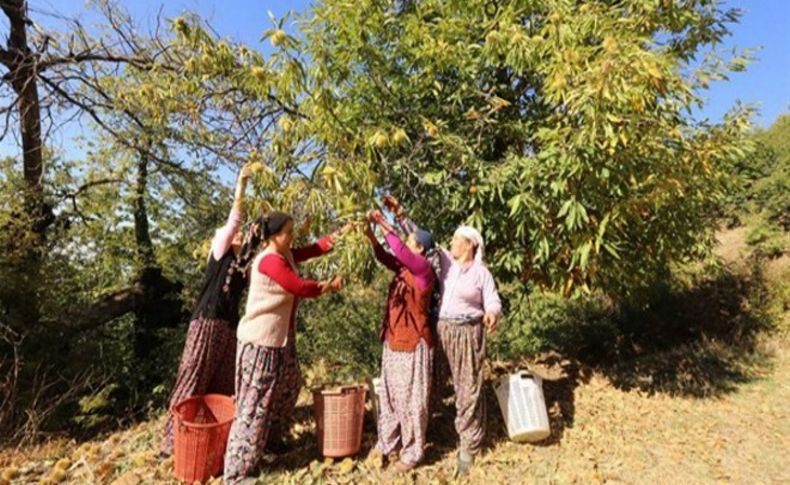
(469, 301)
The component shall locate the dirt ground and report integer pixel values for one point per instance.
(707, 411)
(601, 434)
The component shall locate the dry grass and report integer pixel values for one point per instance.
(601, 434)
(732, 247)
(703, 411)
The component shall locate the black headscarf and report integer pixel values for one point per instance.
(260, 230)
(273, 223)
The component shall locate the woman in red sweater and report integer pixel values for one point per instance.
(268, 378)
(407, 356)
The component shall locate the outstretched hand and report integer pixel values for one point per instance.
(241, 184)
(375, 216)
(392, 204)
(246, 172)
(331, 286)
(348, 227)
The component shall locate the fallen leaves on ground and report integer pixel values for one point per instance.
(600, 434)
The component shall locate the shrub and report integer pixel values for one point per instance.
(546, 321)
(340, 332)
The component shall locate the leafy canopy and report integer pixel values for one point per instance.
(562, 129)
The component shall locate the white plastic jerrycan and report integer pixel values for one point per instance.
(523, 406)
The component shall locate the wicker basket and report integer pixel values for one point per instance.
(202, 425)
(339, 414)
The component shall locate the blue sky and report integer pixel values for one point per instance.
(765, 25)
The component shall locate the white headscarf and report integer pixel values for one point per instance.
(474, 236)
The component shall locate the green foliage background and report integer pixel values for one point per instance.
(561, 129)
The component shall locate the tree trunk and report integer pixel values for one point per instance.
(160, 305)
(23, 80)
(21, 63)
(145, 340)
(145, 248)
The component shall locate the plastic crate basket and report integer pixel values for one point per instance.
(339, 415)
(202, 425)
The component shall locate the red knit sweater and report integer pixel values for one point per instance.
(408, 303)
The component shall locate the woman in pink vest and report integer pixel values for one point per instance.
(207, 363)
(470, 305)
(407, 356)
(268, 378)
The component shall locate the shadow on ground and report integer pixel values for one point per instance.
(699, 341)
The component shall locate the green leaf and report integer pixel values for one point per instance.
(584, 254)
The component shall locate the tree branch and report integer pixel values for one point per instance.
(140, 63)
(6, 58)
(87, 185)
(107, 308)
(117, 136)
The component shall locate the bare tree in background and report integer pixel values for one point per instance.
(50, 79)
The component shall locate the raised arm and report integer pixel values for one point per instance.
(224, 235)
(321, 247)
(277, 268)
(381, 254)
(394, 206)
(443, 257)
(439, 257)
(405, 223)
(418, 265)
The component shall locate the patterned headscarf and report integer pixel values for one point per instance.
(249, 246)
